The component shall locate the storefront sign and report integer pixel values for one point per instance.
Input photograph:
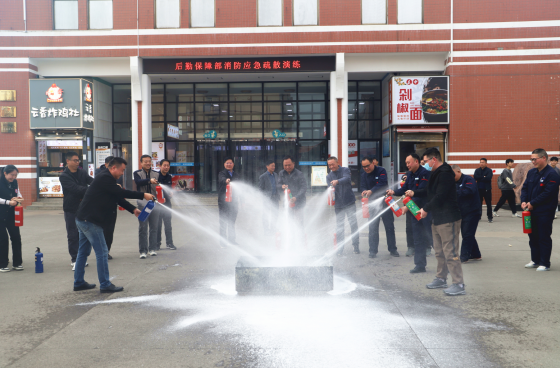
(7, 95)
(8, 111)
(182, 182)
(9, 127)
(237, 65)
(211, 134)
(65, 144)
(313, 163)
(352, 153)
(418, 100)
(61, 103)
(319, 176)
(172, 131)
(278, 134)
(180, 164)
(50, 187)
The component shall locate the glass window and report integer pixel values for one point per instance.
(305, 12)
(312, 129)
(182, 152)
(186, 131)
(65, 14)
(202, 13)
(288, 127)
(368, 110)
(157, 92)
(211, 92)
(312, 91)
(352, 90)
(211, 111)
(352, 129)
(374, 11)
(121, 113)
(245, 92)
(369, 91)
(409, 11)
(220, 128)
(369, 149)
(121, 93)
(280, 111)
(122, 132)
(245, 111)
(270, 12)
(369, 129)
(180, 112)
(312, 110)
(279, 91)
(157, 112)
(179, 93)
(100, 14)
(168, 14)
(238, 128)
(157, 131)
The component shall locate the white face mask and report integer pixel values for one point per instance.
(427, 166)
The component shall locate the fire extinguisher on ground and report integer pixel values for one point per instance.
(365, 207)
(160, 196)
(228, 192)
(394, 206)
(413, 208)
(527, 222)
(331, 196)
(38, 261)
(19, 215)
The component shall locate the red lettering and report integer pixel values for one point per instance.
(296, 64)
(247, 65)
(198, 65)
(266, 65)
(287, 64)
(179, 66)
(405, 94)
(256, 65)
(188, 66)
(236, 65)
(227, 65)
(218, 65)
(208, 66)
(416, 114)
(276, 65)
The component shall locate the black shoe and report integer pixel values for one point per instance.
(418, 269)
(356, 250)
(111, 289)
(395, 253)
(109, 256)
(372, 255)
(84, 286)
(171, 247)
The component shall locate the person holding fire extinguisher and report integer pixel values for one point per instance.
(10, 196)
(227, 209)
(165, 179)
(539, 195)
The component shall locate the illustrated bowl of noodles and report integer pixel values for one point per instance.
(434, 102)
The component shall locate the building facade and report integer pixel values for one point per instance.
(195, 81)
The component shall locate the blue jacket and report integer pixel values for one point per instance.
(415, 181)
(467, 196)
(343, 190)
(541, 190)
(484, 176)
(376, 181)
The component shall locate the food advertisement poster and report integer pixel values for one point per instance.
(157, 154)
(419, 100)
(182, 182)
(319, 176)
(352, 153)
(50, 187)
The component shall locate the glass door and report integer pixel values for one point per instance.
(277, 149)
(249, 159)
(211, 155)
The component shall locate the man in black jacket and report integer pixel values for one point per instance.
(227, 210)
(441, 202)
(74, 183)
(483, 176)
(103, 167)
(94, 211)
(294, 180)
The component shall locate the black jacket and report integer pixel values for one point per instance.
(266, 188)
(441, 196)
(101, 197)
(541, 190)
(467, 196)
(74, 189)
(296, 183)
(7, 192)
(343, 194)
(415, 181)
(484, 176)
(166, 181)
(100, 169)
(222, 177)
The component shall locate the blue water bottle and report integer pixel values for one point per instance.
(38, 261)
(146, 211)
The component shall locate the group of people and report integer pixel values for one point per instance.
(449, 202)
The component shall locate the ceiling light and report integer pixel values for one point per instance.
(39, 133)
(56, 133)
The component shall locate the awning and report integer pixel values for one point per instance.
(420, 130)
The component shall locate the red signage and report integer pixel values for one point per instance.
(251, 65)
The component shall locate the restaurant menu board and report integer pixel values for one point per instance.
(418, 100)
(182, 182)
(50, 187)
(42, 147)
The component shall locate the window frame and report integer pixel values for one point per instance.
(155, 17)
(54, 16)
(386, 13)
(306, 25)
(281, 15)
(191, 16)
(112, 14)
(421, 10)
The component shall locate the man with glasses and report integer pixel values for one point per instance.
(373, 182)
(539, 195)
(75, 182)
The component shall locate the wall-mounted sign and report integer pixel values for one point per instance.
(319, 176)
(278, 134)
(7, 95)
(8, 111)
(313, 163)
(8, 127)
(417, 100)
(158, 154)
(352, 153)
(172, 131)
(61, 103)
(65, 144)
(238, 65)
(211, 134)
(50, 187)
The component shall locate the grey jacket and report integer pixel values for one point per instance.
(266, 188)
(296, 183)
(505, 180)
(344, 196)
(141, 184)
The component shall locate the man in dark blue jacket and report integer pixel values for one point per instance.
(469, 204)
(373, 183)
(344, 205)
(539, 195)
(416, 179)
(483, 176)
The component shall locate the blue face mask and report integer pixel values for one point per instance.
(427, 166)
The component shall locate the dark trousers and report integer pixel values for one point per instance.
(165, 220)
(469, 247)
(389, 224)
(109, 230)
(420, 238)
(409, 234)
(350, 213)
(487, 196)
(8, 227)
(270, 214)
(509, 196)
(147, 232)
(427, 222)
(540, 240)
(72, 234)
(228, 215)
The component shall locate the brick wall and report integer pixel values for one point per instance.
(83, 12)
(437, 11)
(236, 13)
(11, 15)
(39, 15)
(124, 14)
(185, 14)
(472, 11)
(145, 14)
(288, 15)
(331, 13)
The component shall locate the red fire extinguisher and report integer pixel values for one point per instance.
(412, 207)
(365, 207)
(527, 222)
(331, 196)
(19, 215)
(159, 192)
(288, 194)
(394, 206)
(228, 193)
(121, 209)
